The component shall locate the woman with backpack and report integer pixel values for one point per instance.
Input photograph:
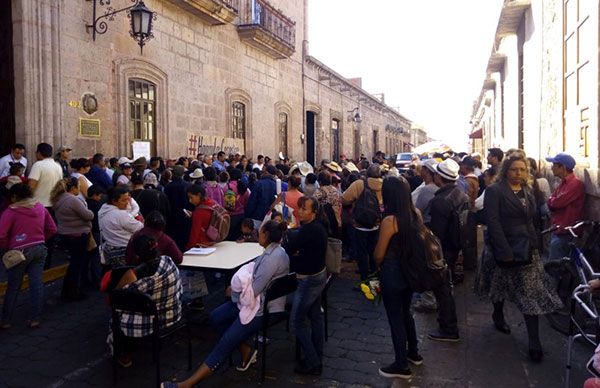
(201, 216)
(397, 233)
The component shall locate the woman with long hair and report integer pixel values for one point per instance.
(399, 229)
(74, 222)
(511, 268)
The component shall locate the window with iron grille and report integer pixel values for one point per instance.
(335, 140)
(142, 112)
(283, 133)
(238, 120)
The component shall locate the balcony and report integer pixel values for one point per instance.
(213, 12)
(267, 29)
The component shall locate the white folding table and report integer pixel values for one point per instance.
(229, 255)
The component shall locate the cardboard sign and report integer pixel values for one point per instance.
(208, 144)
(141, 149)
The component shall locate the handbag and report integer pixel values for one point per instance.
(91, 243)
(333, 255)
(13, 258)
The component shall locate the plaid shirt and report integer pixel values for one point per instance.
(165, 289)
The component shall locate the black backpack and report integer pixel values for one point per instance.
(459, 231)
(425, 268)
(367, 213)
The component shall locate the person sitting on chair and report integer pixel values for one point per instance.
(228, 318)
(156, 276)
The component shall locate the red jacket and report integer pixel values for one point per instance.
(566, 202)
(200, 222)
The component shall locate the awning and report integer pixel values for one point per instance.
(478, 134)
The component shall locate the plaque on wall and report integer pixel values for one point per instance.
(89, 127)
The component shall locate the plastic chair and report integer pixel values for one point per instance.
(139, 303)
(279, 287)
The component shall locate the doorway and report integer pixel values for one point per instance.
(310, 137)
(7, 80)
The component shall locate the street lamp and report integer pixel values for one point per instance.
(354, 115)
(141, 24)
(141, 20)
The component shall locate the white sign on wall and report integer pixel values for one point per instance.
(141, 149)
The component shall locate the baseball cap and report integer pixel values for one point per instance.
(123, 160)
(563, 158)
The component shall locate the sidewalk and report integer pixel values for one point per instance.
(68, 350)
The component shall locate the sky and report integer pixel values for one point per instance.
(427, 56)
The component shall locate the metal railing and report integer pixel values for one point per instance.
(232, 4)
(259, 12)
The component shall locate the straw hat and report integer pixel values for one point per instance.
(305, 168)
(197, 173)
(350, 166)
(334, 166)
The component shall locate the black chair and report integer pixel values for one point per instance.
(139, 303)
(279, 287)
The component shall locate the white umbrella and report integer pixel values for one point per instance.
(432, 146)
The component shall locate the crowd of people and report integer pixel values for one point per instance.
(125, 224)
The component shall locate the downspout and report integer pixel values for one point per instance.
(304, 54)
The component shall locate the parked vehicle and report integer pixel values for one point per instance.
(404, 159)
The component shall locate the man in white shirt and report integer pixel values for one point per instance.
(15, 156)
(44, 174)
(260, 162)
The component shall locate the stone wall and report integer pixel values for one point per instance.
(332, 97)
(198, 70)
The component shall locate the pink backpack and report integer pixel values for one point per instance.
(218, 228)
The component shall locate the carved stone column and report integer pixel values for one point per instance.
(36, 42)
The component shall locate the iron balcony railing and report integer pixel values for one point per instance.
(260, 13)
(232, 4)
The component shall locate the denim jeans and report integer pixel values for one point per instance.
(307, 305)
(34, 267)
(396, 300)
(446, 307)
(365, 246)
(225, 319)
(559, 246)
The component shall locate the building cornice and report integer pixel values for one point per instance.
(327, 73)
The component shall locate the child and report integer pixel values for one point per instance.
(276, 216)
(15, 175)
(249, 234)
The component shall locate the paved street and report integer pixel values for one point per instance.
(69, 350)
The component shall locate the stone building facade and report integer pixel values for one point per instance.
(231, 74)
(541, 89)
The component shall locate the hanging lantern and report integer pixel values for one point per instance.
(141, 24)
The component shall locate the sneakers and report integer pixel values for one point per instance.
(415, 359)
(439, 335)
(392, 372)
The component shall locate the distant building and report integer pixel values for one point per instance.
(541, 88)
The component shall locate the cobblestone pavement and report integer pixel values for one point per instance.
(69, 350)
